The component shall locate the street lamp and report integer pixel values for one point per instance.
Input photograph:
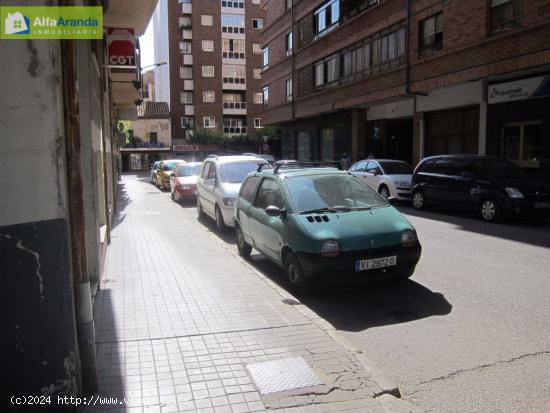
(154, 65)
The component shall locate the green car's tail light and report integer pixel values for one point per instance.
(330, 248)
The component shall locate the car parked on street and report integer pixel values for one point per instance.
(218, 185)
(268, 158)
(183, 181)
(154, 169)
(320, 222)
(165, 169)
(492, 186)
(391, 178)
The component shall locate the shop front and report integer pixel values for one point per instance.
(518, 124)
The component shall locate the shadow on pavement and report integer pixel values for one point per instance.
(123, 200)
(228, 236)
(513, 230)
(359, 306)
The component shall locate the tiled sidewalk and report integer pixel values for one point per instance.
(180, 317)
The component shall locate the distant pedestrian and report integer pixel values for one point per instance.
(345, 161)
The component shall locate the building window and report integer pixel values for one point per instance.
(258, 123)
(258, 98)
(327, 70)
(431, 36)
(326, 17)
(207, 20)
(257, 23)
(187, 122)
(186, 97)
(256, 48)
(288, 4)
(208, 96)
(185, 47)
(265, 56)
(505, 15)
(153, 138)
(288, 90)
(185, 22)
(327, 144)
(233, 23)
(289, 43)
(209, 122)
(257, 73)
(234, 74)
(207, 71)
(265, 95)
(522, 144)
(233, 48)
(186, 72)
(207, 45)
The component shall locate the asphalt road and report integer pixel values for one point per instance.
(470, 332)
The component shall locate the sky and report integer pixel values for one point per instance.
(147, 46)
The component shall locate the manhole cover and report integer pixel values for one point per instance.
(281, 375)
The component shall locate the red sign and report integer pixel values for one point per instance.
(121, 44)
(186, 148)
(195, 148)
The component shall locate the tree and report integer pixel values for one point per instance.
(207, 136)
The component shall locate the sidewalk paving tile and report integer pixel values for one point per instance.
(180, 316)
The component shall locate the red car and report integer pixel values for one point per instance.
(183, 181)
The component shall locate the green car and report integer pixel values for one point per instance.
(320, 222)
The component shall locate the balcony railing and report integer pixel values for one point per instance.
(232, 29)
(234, 105)
(235, 80)
(233, 55)
(234, 130)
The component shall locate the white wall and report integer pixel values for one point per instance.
(31, 132)
(464, 94)
(160, 32)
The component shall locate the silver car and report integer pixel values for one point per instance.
(219, 183)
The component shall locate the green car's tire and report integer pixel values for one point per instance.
(294, 273)
(242, 246)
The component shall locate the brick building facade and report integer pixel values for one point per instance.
(409, 78)
(214, 49)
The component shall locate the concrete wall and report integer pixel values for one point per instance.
(39, 335)
(142, 127)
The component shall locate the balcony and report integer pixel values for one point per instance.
(188, 85)
(189, 110)
(186, 8)
(188, 59)
(233, 32)
(234, 83)
(234, 130)
(234, 58)
(234, 108)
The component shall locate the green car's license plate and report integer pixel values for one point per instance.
(374, 263)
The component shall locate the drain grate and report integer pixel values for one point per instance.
(281, 375)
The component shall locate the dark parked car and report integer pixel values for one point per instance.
(492, 186)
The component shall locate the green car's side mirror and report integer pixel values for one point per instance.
(274, 211)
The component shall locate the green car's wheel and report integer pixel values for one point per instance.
(294, 272)
(242, 246)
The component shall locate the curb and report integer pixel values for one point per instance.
(392, 404)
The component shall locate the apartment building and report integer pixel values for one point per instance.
(409, 78)
(215, 67)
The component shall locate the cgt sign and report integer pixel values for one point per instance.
(121, 45)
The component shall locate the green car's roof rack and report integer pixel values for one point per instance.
(304, 165)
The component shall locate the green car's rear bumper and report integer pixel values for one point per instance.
(343, 266)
